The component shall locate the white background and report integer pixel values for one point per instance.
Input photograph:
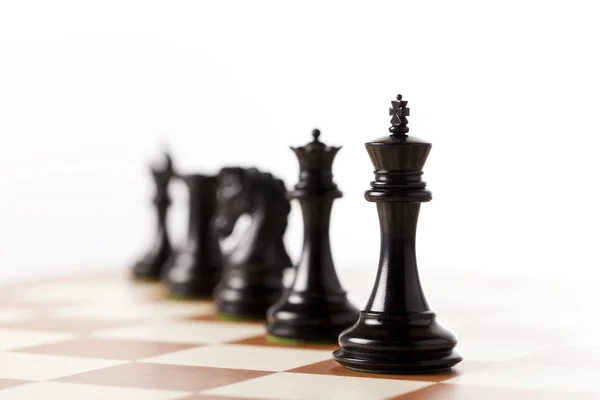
(507, 92)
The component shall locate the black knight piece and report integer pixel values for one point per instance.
(253, 273)
(150, 267)
(397, 332)
(315, 308)
(195, 269)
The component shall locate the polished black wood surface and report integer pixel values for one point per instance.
(253, 276)
(195, 269)
(151, 265)
(315, 307)
(397, 332)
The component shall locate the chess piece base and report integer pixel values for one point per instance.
(293, 342)
(365, 363)
(194, 280)
(236, 317)
(151, 267)
(194, 288)
(243, 310)
(397, 344)
(309, 317)
(248, 292)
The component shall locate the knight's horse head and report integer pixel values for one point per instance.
(234, 198)
(248, 191)
(262, 197)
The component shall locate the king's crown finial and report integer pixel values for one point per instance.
(399, 112)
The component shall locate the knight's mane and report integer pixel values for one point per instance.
(232, 171)
(266, 184)
(276, 190)
(273, 190)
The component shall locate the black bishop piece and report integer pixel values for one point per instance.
(152, 265)
(397, 332)
(315, 308)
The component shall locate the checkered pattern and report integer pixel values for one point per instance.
(102, 337)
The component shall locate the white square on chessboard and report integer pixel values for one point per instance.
(239, 356)
(549, 318)
(534, 376)
(164, 309)
(587, 341)
(88, 290)
(292, 386)
(35, 367)
(74, 391)
(192, 332)
(487, 296)
(8, 315)
(11, 339)
(496, 350)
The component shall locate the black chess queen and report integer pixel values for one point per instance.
(315, 308)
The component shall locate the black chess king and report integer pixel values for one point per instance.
(397, 332)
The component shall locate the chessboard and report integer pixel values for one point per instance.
(104, 336)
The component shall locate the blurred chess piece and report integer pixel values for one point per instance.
(150, 266)
(194, 270)
(253, 273)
